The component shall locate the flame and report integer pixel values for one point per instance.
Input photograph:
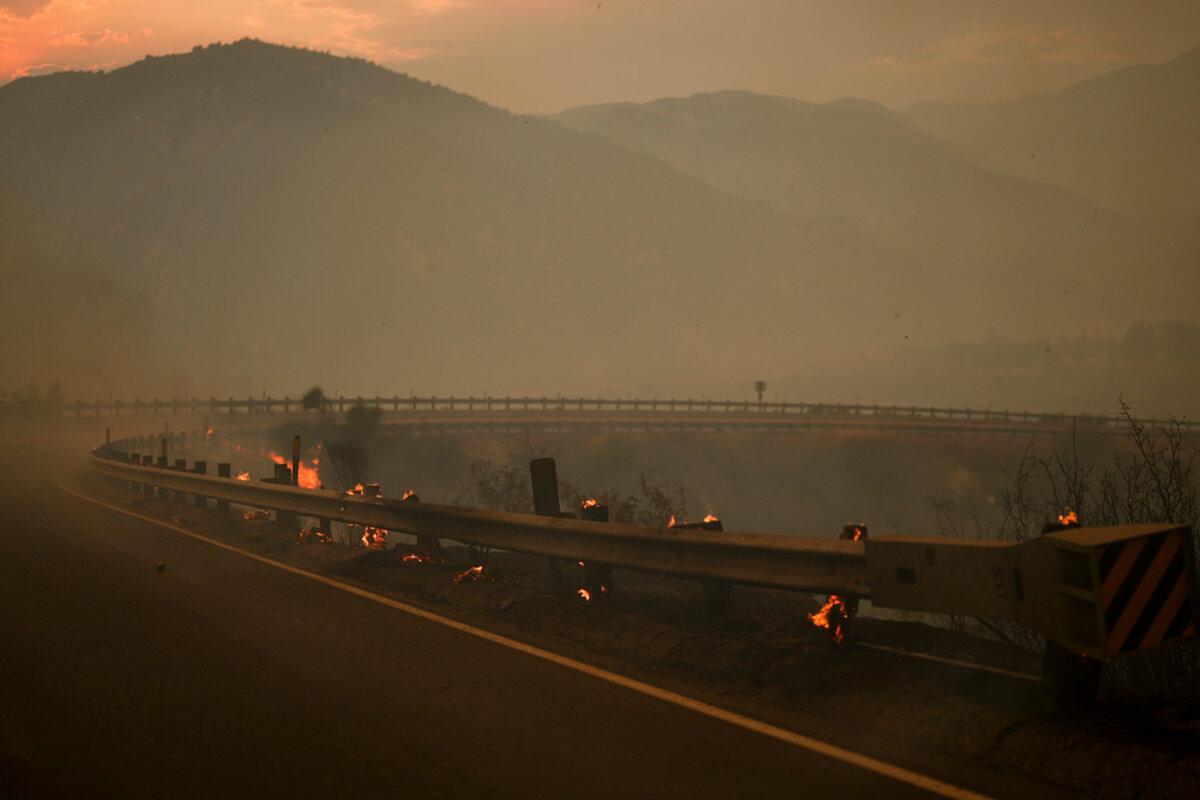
(314, 533)
(821, 618)
(309, 476)
(407, 494)
(591, 502)
(858, 534)
(712, 518)
(671, 523)
(358, 489)
(208, 434)
(475, 573)
(585, 595)
(375, 538)
(418, 557)
(1069, 518)
(243, 476)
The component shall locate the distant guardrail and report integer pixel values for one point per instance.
(611, 410)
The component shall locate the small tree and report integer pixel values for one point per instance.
(314, 398)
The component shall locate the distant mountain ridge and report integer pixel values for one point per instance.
(245, 214)
(1129, 140)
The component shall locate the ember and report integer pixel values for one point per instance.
(323, 537)
(375, 538)
(473, 574)
(208, 433)
(832, 617)
(418, 557)
(260, 514)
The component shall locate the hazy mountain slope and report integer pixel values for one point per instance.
(860, 162)
(1129, 140)
(263, 216)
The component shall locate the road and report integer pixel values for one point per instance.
(226, 676)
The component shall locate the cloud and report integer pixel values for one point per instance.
(37, 69)
(92, 38)
(22, 8)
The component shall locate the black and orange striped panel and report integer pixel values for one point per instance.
(1145, 591)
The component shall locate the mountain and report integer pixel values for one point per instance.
(250, 216)
(1129, 140)
(247, 215)
(858, 161)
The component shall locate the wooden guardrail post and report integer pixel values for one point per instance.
(543, 480)
(224, 470)
(180, 496)
(597, 577)
(200, 468)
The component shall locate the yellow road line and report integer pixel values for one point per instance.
(747, 723)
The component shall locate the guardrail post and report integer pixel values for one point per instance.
(295, 461)
(133, 458)
(201, 468)
(224, 470)
(284, 520)
(163, 463)
(597, 578)
(181, 465)
(543, 479)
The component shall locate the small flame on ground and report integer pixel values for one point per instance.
(475, 573)
(858, 534)
(375, 538)
(243, 476)
(585, 595)
(407, 494)
(208, 433)
(712, 518)
(418, 557)
(591, 502)
(314, 533)
(358, 489)
(835, 607)
(1069, 518)
(671, 523)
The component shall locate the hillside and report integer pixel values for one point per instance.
(258, 216)
(249, 216)
(860, 162)
(1129, 140)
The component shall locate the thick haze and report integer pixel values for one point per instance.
(545, 55)
(796, 192)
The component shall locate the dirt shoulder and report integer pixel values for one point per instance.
(967, 726)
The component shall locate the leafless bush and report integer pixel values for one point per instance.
(1154, 481)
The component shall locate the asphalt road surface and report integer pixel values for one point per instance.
(224, 676)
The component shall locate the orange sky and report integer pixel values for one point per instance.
(544, 55)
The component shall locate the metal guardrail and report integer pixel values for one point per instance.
(751, 559)
(1091, 589)
(577, 405)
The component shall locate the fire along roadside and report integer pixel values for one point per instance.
(1147, 597)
